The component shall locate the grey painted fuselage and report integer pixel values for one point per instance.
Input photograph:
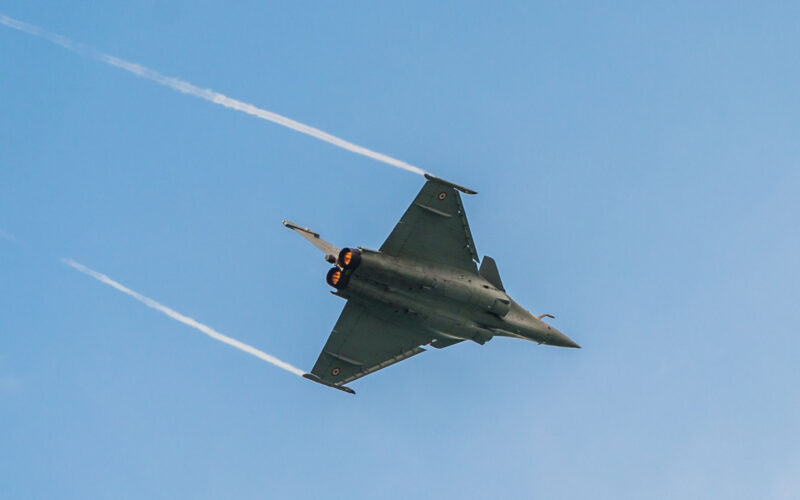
(449, 304)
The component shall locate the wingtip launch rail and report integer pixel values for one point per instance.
(314, 378)
(451, 184)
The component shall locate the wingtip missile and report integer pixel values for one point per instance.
(451, 184)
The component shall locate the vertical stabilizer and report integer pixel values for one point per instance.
(490, 273)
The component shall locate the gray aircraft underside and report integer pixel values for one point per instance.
(422, 287)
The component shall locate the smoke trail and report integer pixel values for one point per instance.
(184, 319)
(206, 94)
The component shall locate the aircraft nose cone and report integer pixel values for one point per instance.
(561, 340)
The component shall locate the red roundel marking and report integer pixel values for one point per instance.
(336, 371)
(442, 196)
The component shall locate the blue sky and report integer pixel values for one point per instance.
(637, 166)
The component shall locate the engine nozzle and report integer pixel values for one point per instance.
(349, 258)
(336, 278)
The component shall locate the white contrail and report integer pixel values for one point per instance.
(207, 94)
(184, 319)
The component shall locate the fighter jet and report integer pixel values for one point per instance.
(422, 287)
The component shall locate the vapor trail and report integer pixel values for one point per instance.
(184, 319)
(207, 94)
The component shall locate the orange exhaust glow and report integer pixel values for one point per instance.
(336, 278)
(349, 258)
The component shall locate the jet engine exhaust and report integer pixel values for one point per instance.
(349, 258)
(335, 278)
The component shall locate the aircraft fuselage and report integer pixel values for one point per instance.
(450, 304)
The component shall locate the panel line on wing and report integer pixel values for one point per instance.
(343, 358)
(432, 210)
